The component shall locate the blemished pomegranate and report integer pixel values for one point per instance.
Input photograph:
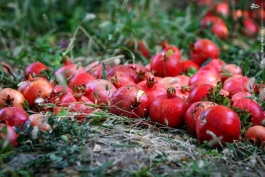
(40, 121)
(168, 109)
(193, 113)
(129, 101)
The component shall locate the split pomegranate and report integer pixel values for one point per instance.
(40, 121)
(168, 109)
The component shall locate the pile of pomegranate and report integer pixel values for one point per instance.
(169, 90)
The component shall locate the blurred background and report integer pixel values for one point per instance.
(42, 30)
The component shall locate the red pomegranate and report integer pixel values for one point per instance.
(218, 125)
(99, 91)
(151, 88)
(130, 101)
(202, 50)
(168, 109)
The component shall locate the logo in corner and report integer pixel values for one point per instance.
(254, 6)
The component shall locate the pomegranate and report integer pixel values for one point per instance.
(168, 109)
(204, 77)
(189, 67)
(151, 88)
(11, 97)
(250, 27)
(253, 108)
(240, 95)
(99, 91)
(200, 92)
(218, 124)
(255, 134)
(14, 116)
(121, 68)
(129, 101)
(166, 64)
(35, 69)
(193, 113)
(68, 70)
(218, 26)
(202, 50)
(229, 70)
(138, 67)
(120, 79)
(80, 78)
(37, 91)
(235, 84)
(217, 64)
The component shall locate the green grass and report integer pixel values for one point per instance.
(32, 31)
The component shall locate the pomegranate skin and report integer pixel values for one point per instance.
(129, 101)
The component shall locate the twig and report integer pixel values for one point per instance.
(261, 162)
